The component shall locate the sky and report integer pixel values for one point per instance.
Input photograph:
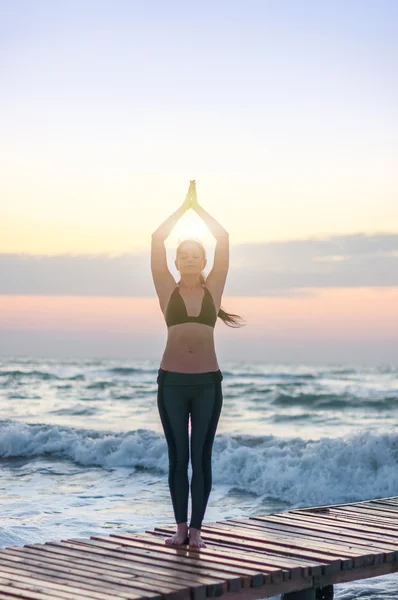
(285, 114)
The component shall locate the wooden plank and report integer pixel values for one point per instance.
(86, 551)
(335, 533)
(263, 548)
(248, 553)
(80, 565)
(290, 542)
(84, 586)
(385, 502)
(120, 587)
(326, 506)
(361, 510)
(73, 557)
(272, 563)
(335, 520)
(312, 524)
(388, 508)
(341, 577)
(339, 544)
(13, 592)
(217, 558)
(175, 556)
(364, 512)
(382, 514)
(304, 551)
(218, 569)
(50, 589)
(365, 525)
(344, 522)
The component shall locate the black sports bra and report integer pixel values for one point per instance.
(176, 311)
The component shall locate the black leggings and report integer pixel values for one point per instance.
(181, 395)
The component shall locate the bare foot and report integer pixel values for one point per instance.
(195, 541)
(178, 539)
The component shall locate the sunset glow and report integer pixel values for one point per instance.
(285, 118)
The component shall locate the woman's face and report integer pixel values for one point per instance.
(189, 259)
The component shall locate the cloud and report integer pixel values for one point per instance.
(271, 269)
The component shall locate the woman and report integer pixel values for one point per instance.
(189, 378)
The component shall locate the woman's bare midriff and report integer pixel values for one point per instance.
(190, 349)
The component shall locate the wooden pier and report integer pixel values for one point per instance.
(298, 554)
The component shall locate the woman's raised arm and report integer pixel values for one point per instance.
(164, 230)
(216, 229)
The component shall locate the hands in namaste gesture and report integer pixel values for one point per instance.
(191, 199)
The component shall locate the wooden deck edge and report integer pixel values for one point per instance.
(266, 591)
(309, 508)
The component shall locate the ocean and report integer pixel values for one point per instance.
(82, 449)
